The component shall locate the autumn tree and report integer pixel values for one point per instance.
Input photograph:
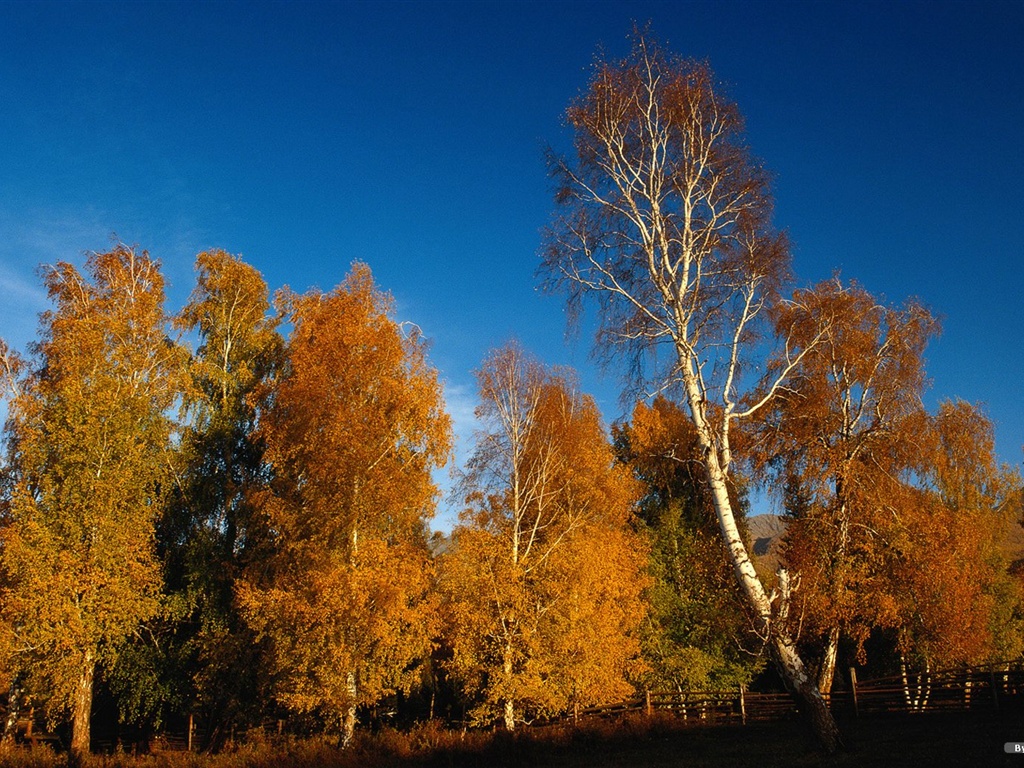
(953, 579)
(239, 350)
(845, 431)
(694, 635)
(543, 580)
(11, 367)
(894, 514)
(665, 219)
(204, 659)
(353, 428)
(88, 437)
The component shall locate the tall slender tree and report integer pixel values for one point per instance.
(207, 660)
(543, 582)
(89, 439)
(665, 219)
(354, 426)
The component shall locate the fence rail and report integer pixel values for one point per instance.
(983, 687)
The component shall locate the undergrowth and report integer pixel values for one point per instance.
(629, 742)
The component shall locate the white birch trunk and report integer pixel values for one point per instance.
(828, 662)
(81, 734)
(509, 705)
(348, 723)
(784, 653)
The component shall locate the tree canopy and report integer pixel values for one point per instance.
(664, 219)
(353, 428)
(89, 441)
(543, 581)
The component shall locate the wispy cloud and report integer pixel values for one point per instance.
(33, 238)
(39, 236)
(44, 237)
(20, 290)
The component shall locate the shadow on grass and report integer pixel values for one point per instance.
(630, 742)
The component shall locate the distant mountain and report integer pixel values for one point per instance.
(439, 542)
(764, 540)
(765, 534)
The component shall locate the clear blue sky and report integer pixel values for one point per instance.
(409, 135)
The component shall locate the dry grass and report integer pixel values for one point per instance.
(632, 742)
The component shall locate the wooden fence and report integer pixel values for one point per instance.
(985, 687)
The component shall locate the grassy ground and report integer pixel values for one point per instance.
(931, 740)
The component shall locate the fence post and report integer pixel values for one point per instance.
(995, 692)
(853, 689)
(743, 707)
(647, 702)
(191, 723)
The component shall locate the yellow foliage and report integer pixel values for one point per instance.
(542, 585)
(90, 436)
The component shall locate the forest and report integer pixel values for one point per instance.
(222, 513)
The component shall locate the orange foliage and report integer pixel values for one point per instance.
(696, 624)
(893, 512)
(838, 440)
(948, 562)
(353, 428)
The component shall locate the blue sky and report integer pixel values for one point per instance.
(410, 135)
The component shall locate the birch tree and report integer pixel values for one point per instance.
(664, 218)
(951, 576)
(543, 583)
(846, 430)
(88, 437)
(353, 429)
(211, 531)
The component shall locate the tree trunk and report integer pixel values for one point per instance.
(838, 585)
(510, 712)
(81, 735)
(13, 709)
(348, 721)
(791, 667)
(916, 694)
(810, 704)
(509, 705)
(828, 661)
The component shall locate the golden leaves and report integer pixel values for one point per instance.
(91, 436)
(542, 584)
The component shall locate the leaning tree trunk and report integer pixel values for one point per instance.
(770, 624)
(809, 700)
(81, 734)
